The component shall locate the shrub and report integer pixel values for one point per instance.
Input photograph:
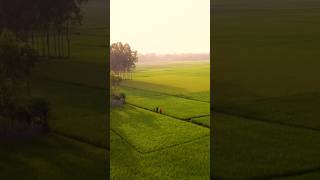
(39, 110)
(123, 97)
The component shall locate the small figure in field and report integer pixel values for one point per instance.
(157, 109)
(160, 111)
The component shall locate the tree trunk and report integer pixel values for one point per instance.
(43, 44)
(32, 40)
(48, 42)
(62, 45)
(59, 44)
(68, 39)
(55, 42)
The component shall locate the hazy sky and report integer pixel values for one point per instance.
(162, 26)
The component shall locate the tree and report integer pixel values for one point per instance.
(114, 83)
(122, 60)
(16, 61)
(39, 22)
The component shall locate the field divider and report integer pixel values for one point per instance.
(159, 149)
(167, 94)
(174, 117)
(289, 173)
(72, 83)
(267, 121)
(75, 138)
(126, 141)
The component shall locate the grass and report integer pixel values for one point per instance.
(191, 79)
(265, 68)
(76, 110)
(252, 149)
(50, 157)
(148, 131)
(171, 105)
(186, 161)
(160, 146)
(202, 120)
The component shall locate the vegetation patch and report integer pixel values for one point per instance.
(170, 105)
(50, 157)
(254, 149)
(148, 131)
(185, 161)
(205, 121)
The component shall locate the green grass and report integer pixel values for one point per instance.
(298, 110)
(307, 176)
(186, 161)
(245, 148)
(159, 146)
(202, 120)
(265, 68)
(76, 110)
(191, 79)
(148, 131)
(171, 105)
(50, 157)
(265, 48)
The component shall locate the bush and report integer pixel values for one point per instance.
(123, 97)
(39, 110)
(32, 111)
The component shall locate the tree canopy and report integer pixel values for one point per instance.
(35, 21)
(122, 59)
(16, 61)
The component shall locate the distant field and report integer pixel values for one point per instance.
(190, 79)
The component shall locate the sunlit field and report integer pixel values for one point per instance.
(158, 145)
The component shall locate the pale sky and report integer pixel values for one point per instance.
(162, 26)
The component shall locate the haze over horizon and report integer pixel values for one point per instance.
(161, 27)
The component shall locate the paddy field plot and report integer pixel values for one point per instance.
(51, 157)
(148, 131)
(255, 149)
(179, 107)
(77, 111)
(185, 161)
(185, 79)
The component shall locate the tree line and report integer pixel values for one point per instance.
(43, 24)
(122, 60)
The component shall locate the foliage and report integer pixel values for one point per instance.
(39, 110)
(165, 138)
(44, 24)
(122, 58)
(115, 81)
(16, 63)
